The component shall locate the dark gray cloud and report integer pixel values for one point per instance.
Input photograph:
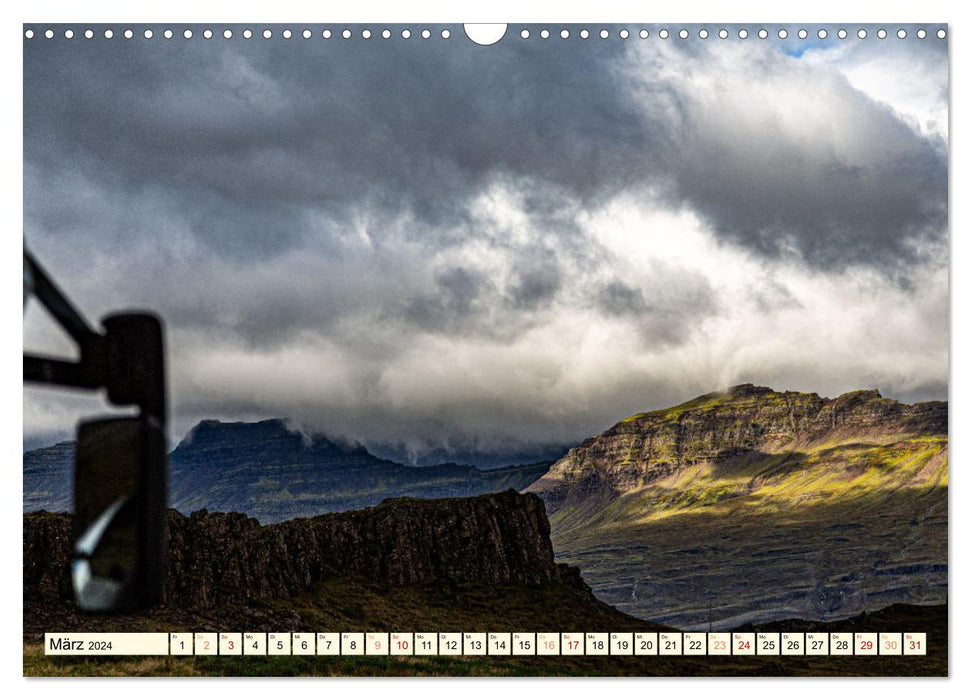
(344, 232)
(459, 293)
(534, 286)
(266, 129)
(254, 137)
(665, 309)
(617, 298)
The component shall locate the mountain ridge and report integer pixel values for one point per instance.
(718, 426)
(830, 505)
(273, 473)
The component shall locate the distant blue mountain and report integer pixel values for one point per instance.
(49, 478)
(272, 473)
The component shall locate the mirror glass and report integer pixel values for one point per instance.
(105, 561)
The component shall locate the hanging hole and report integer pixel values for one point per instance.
(484, 34)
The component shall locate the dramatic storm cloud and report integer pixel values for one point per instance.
(448, 251)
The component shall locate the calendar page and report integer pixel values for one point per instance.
(383, 349)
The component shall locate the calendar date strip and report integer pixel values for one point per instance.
(486, 644)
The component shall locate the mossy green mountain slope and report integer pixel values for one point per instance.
(753, 505)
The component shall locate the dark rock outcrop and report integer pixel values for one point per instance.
(217, 558)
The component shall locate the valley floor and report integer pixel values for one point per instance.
(724, 567)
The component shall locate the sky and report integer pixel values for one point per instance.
(487, 254)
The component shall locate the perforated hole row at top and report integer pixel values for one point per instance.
(723, 33)
(366, 33)
(230, 33)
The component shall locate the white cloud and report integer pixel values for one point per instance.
(711, 214)
(912, 78)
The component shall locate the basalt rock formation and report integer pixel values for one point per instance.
(220, 558)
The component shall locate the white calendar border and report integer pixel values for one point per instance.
(498, 10)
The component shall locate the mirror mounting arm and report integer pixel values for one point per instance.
(127, 360)
(45, 370)
(88, 372)
(63, 311)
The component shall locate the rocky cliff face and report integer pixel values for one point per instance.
(218, 558)
(649, 447)
(754, 505)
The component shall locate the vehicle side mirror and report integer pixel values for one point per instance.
(118, 558)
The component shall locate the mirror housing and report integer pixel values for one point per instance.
(120, 493)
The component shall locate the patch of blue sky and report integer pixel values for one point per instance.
(800, 46)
